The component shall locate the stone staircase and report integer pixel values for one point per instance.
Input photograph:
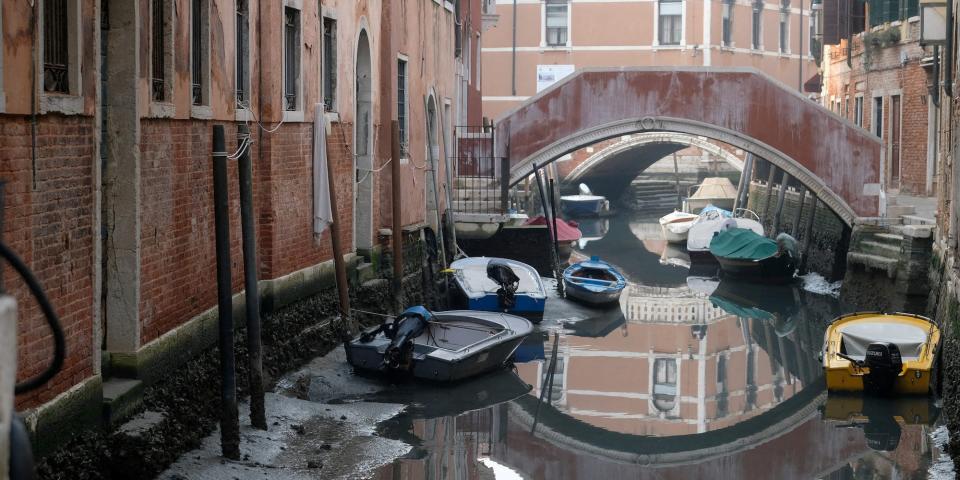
(647, 193)
(912, 210)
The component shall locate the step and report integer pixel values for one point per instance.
(366, 272)
(889, 237)
(878, 248)
(900, 210)
(477, 182)
(121, 397)
(917, 220)
(916, 231)
(874, 262)
(471, 193)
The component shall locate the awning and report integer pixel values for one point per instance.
(814, 84)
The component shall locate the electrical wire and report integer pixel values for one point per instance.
(257, 120)
(59, 343)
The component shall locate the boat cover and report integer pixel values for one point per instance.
(858, 336)
(716, 187)
(567, 231)
(742, 244)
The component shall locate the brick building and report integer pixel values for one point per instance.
(878, 78)
(107, 108)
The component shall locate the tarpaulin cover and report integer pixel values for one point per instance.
(742, 244)
(858, 336)
(566, 231)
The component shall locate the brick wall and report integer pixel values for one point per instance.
(48, 222)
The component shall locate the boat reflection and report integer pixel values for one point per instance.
(675, 256)
(592, 229)
(777, 304)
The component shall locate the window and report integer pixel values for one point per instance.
(160, 85)
(199, 26)
(878, 116)
(727, 26)
(557, 18)
(846, 107)
(56, 46)
(785, 27)
(858, 111)
(670, 22)
(243, 52)
(665, 384)
(329, 64)
(291, 59)
(755, 42)
(402, 102)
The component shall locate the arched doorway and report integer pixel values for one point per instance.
(362, 148)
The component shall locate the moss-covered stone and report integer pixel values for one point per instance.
(58, 421)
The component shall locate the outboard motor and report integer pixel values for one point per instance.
(404, 329)
(885, 364)
(501, 273)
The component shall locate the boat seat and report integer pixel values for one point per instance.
(596, 281)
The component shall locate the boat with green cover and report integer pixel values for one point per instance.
(742, 253)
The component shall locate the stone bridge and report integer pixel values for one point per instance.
(744, 108)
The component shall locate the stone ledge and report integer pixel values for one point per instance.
(77, 410)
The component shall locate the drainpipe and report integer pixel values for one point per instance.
(513, 70)
(800, 70)
(948, 52)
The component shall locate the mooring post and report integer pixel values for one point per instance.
(546, 216)
(676, 181)
(397, 222)
(556, 235)
(339, 266)
(744, 185)
(229, 421)
(258, 416)
(808, 233)
(780, 198)
(796, 220)
(766, 201)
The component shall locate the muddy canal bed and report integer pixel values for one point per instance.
(688, 377)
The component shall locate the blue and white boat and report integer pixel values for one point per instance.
(500, 285)
(586, 204)
(594, 282)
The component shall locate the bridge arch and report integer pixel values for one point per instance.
(744, 108)
(651, 138)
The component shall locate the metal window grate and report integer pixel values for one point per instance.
(482, 177)
(158, 51)
(727, 25)
(757, 17)
(243, 51)
(56, 53)
(196, 41)
(402, 107)
(329, 64)
(291, 64)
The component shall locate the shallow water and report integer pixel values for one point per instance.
(688, 377)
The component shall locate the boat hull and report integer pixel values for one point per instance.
(912, 381)
(695, 205)
(473, 292)
(675, 235)
(431, 362)
(776, 269)
(593, 298)
(591, 207)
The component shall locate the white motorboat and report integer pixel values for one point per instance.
(712, 221)
(676, 225)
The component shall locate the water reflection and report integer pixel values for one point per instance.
(691, 377)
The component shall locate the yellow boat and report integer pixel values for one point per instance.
(880, 353)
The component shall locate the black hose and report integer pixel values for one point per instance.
(59, 344)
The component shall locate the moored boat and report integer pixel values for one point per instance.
(440, 346)
(583, 205)
(712, 220)
(880, 353)
(744, 254)
(499, 285)
(717, 191)
(676, 225)
(594, 282)
(567, 233)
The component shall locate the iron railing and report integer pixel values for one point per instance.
(243, 50)
(56, 53)
(158, 52)
(197, 54)
(482, 178)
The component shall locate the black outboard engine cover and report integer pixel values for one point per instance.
(408, 326)
(501, 273)
(885, 363)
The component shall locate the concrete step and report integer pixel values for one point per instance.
(917, 220)
(874, 262)
(915, 231)
(121, 397)
(881, 249)
(900, 210)
(476, 193)
(366, 272)
(476, 182)
(889, 237)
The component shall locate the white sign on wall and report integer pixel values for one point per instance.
(549, 74)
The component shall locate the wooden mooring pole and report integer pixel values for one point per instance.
(397, 211)
(780, 198)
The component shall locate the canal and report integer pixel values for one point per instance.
(688, 377)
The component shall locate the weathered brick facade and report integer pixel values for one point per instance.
(48, 222)
(887, 68)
